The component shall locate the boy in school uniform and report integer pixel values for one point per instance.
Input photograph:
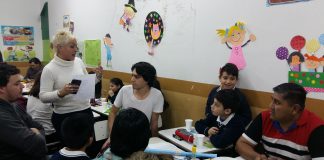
(228, 77)
(77, 135)
(223, 126)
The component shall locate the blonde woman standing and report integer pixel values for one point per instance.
(56, 77)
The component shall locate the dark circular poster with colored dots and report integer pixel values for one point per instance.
(153, 29)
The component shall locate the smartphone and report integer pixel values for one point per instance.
(76, 82)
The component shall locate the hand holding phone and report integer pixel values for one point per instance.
(77, 83)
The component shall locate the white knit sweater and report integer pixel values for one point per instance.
(56, 74)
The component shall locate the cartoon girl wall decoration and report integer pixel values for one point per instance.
(129, 13)
(153, 31)
(108, 45)
(235, 35)
(294, 61)
(322, 62)
(312, 62)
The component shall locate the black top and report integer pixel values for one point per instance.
(227, 134)
(17, 141)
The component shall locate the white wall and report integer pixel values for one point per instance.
(190, 49)
(23, 13)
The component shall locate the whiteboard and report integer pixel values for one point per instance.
(190, 49)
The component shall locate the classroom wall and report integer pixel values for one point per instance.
(190, 54)
(23, 13)
(190, 49)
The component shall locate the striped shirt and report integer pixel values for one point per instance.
(301, 141)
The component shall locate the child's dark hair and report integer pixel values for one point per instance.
(130, 133)
(117, 82)
(229, 98)
(230, 69)
(76, 130)
(7, 70)
(146, 70)
(35, 60)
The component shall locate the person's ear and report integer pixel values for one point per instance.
(296, 109)
(2, 89)
(227, 111)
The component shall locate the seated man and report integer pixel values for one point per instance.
(20, 136)
(35, 66)
(286, 131)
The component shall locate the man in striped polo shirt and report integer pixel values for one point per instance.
(286, 130)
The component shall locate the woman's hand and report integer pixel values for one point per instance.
(111, 93)
(68, 89)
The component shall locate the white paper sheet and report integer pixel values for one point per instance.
(87, 87)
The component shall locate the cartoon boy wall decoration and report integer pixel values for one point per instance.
(108, 45)
(235, 35)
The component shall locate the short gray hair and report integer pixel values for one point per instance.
(62, 37)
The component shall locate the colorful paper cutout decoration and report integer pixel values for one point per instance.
(321, 39)
(129, 14)
(312, 46)
(153, 31)
(235, 35)
(312, 82)
(312, 62)
(322, 62)
(66, 21)
(294, 60)
(282, 53)
(297, 42)
(92, 52)
(108, 45)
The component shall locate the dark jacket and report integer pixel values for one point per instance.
(17, 141)
(227, 134)
(244, 110)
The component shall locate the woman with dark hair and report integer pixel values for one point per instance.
(35, 65)
(131, 133)
(39, 111)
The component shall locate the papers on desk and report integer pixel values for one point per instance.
(164, 145)
(101, 109)
(87, 87)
